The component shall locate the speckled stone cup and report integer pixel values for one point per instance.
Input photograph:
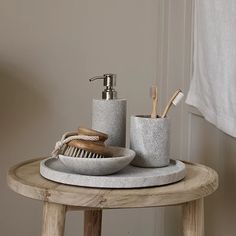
(149, 138)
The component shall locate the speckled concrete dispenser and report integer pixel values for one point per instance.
(149, 138)
(109, 113)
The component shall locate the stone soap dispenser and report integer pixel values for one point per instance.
(109, 113)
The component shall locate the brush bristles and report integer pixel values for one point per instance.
(178, 98)
(153, 92)
(76, 152)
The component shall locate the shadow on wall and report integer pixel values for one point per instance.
(21, 105)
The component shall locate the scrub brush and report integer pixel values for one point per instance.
(153, 93)
(87, 143)
(175, 99)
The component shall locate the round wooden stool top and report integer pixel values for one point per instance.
(26, 180)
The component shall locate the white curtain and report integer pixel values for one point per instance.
(213, 86)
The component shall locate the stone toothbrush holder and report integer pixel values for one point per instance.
(149, 138)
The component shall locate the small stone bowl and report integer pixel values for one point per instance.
(99, 166)
(149, 138)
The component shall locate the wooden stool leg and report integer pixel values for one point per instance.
(92, 223)
(193, 218)
(53, 219)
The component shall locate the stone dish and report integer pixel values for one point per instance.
(99, 166)
(129, 177)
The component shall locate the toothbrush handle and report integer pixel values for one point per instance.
(169, 104)
(167, 108)
(154, 108)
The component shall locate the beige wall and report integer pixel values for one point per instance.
(48, 51)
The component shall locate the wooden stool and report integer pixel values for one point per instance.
(199, 182)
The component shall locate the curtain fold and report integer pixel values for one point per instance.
(213, 86)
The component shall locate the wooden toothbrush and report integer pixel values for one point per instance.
(154, 97)
(175, 99)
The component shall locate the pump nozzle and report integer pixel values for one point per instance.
(95, 78)
(109, 80)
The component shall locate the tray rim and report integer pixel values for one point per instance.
(59, 177)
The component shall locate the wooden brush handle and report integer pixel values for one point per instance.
(169, 104)
(154, 97)
(91, 147)
(154, 108)
(91, 132)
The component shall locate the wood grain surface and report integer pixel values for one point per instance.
(53, 219)
(193, 218)
(92, 223)
(26, 180)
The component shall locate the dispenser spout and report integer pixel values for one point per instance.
(95, 78)
(109, 80)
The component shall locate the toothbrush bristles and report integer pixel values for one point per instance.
(77, 152)
(175, 99)
(153, 92)
(178, 98)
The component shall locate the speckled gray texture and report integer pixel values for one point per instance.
(99, 166)
(109, 116)
(149, 138)
(129, 177)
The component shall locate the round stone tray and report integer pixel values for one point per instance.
(129, 177)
